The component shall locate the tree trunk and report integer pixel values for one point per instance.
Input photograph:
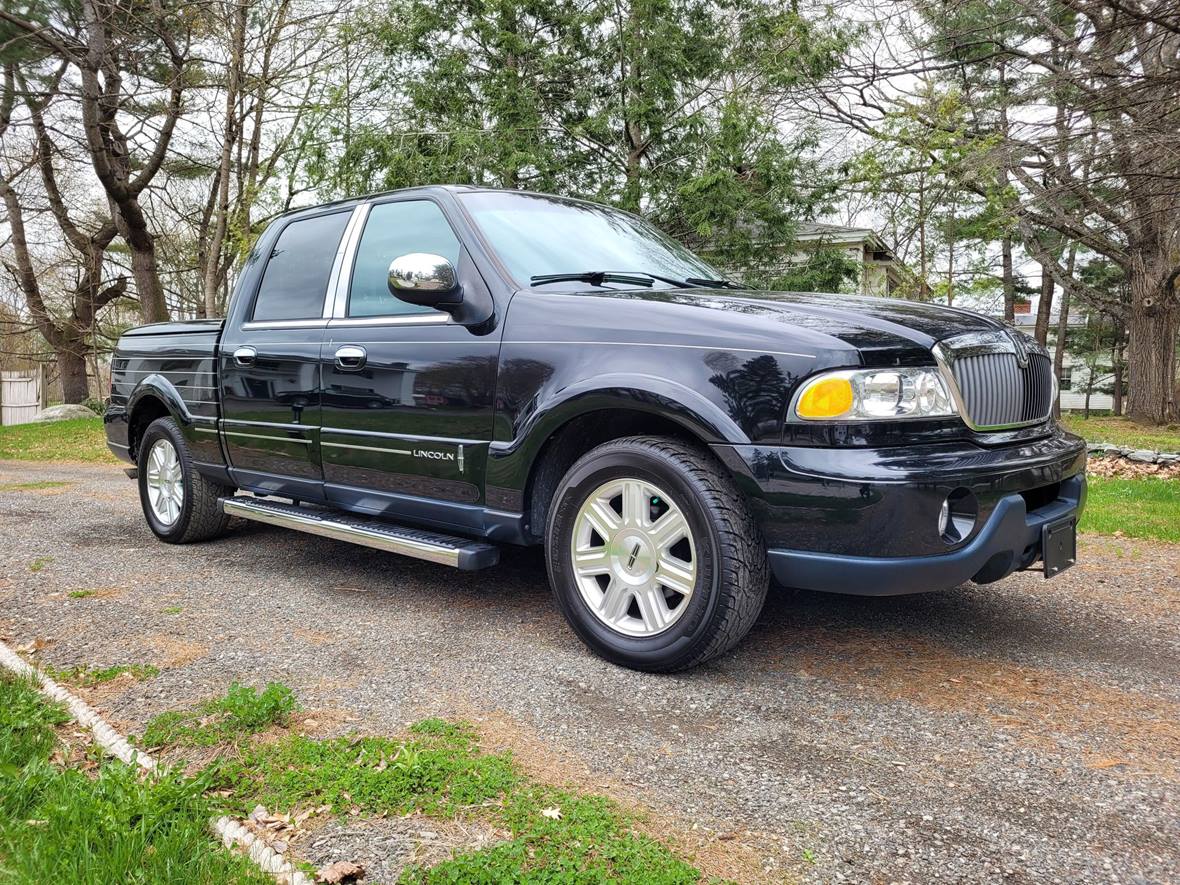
(1059, 346)
(152, 306)
(1044, 306)
(1153, 322)
(75, 386)
(1151, 365)
(1119, 365)
(1009, 280)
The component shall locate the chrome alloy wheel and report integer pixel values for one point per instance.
(634, 557)
(165, 482)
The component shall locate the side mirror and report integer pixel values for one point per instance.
(432, 281)
(422, 278)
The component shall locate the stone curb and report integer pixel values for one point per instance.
(1139, 456)
(229, 831)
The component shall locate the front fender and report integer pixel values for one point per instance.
(510, 463)
(647, 393)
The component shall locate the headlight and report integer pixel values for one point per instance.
(872, 394)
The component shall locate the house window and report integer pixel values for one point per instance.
(1067, 377)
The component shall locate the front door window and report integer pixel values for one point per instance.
(393, 230)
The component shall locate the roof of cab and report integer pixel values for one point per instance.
(426, 189)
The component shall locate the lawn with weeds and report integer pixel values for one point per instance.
(1148, 507)
(33, 486)
(89, 676)
(1124, 432)
(79, 439)
(241, 712)
(109, 825)
(554, 835)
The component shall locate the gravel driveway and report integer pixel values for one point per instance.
(1026, 732)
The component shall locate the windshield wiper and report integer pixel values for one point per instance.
(593, 277)
(631, 277)
(716, 284)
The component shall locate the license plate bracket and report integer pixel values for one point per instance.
(1059, 546)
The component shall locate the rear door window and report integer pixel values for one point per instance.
(295, 281)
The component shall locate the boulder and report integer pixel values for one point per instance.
(63, 413)
(1143, 456)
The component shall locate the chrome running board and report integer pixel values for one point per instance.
(459, 553)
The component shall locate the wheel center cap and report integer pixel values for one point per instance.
(634, 557)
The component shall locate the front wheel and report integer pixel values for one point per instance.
(653, 555)
(181, 506)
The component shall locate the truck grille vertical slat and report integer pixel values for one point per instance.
(997, 391)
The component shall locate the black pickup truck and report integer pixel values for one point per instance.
(443, 370)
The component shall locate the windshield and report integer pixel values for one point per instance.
(536, 235)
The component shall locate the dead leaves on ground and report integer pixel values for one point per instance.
(341, 872)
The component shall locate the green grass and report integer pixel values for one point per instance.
(39, 563)
(1124, 432)
(79, 439)
(555, 835)
(1139, 508)
(64, 825)
(172, 610)
(113, 825)
(80, 594)
(84, 675)
(241, 712)
(33, 486)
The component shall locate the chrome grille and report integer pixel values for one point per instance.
(994, 389)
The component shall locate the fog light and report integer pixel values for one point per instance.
(956, 517)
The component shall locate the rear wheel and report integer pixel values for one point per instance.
(653, 555)
(181, 506)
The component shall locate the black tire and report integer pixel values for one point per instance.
(201, 517)
(732, 573)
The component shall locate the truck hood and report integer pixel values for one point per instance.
(886, 325)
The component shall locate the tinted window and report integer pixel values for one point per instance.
(296, 276)
(392, 230)
(534, 234)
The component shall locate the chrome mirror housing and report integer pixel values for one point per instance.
(421, 273)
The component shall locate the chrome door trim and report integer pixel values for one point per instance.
(337, 302)
(263, 436)
(412, 319)
(408, 437)
(342, 265)
(333, 445)
(284, 324)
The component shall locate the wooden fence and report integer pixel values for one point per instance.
(22, 395)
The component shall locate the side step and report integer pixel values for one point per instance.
(459, 553)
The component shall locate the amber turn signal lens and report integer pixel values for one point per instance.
(825, 398)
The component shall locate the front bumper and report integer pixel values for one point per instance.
(864, 521)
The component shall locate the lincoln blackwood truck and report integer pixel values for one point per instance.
(441, 371)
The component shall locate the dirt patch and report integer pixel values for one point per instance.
(386, 846)
(313, 637)
(740, 855)
(1116, 728)
(1139, 575)
(174, 651)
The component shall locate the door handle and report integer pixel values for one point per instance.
(350, 357)
(244, 356)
